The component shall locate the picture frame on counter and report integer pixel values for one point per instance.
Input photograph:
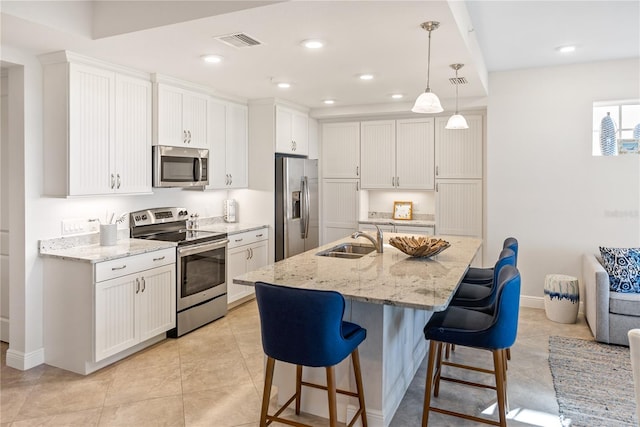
(402, 210)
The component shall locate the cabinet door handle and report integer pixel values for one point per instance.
(113, 181)
(397, 181)
(137, 285)
(251, 251)
(144, 285)
(158, 259)
(357, 185)
(436, 170)
(119, 268)
(259, 235)
(184, 136)
(357, 170)
(238, 240)
(393, 181)
(436, 187)
(189, 134)
(119, 181)
(230, 179)
(248, 254)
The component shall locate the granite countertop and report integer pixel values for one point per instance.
(58, 248)
(391, 278)
(407, 222)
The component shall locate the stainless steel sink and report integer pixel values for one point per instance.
(348, 250)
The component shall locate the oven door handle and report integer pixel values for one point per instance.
(190, 250)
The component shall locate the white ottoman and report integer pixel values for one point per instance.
(561, 298)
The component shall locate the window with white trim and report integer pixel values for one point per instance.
(624, 137)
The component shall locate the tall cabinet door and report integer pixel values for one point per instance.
(237, 145)
(195, 118)
(415, 154)
(133, 135)
(340, 208)
(91, 127)
(157, 301)
(459, 151)
(341, 150)
(171, 130)
(378, 154)
(459, 207)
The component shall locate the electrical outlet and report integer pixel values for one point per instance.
(79, 226)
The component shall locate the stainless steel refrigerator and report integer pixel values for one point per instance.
(296, 206)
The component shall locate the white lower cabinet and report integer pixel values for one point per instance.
(96, 314)
(247, 251)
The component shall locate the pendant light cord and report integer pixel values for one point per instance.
(428, 61)
(457, 91)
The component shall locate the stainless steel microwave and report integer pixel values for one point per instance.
(180, 166)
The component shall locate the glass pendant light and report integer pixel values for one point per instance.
(457, 121)
(428, 102)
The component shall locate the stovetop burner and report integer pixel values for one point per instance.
(169, 225)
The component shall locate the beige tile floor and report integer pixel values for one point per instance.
(213, 377)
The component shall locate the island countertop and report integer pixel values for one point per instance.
(391, 278)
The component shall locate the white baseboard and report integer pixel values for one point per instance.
(374, 418)
(24, 361)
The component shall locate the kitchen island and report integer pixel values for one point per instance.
(391, 295)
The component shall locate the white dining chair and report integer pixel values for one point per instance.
(634, 345)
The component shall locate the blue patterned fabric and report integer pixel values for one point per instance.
(623, 267)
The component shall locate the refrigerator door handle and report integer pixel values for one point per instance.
(304, 215)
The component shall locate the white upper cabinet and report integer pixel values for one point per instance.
(97, 129)
(459, 151)
(415, 154)
(292, 131)
(229, 145)
(181, 118)
(341, 150)
(378, 154)
(397, 154)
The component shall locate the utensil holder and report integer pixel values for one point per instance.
(108, 234)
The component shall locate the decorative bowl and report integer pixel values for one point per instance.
(421, 246)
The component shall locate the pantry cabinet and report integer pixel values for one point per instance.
(247, 251)
(95, 314)
(459, 151)
(97, 128)
(229, 146)
(397, 154)
(341, 150)
(180, 117)
(292, 131)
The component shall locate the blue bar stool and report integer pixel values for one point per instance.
(484, 276)
(472, 328)
(305, 327)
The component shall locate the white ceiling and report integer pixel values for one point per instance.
(379, 37)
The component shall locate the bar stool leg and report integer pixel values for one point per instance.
(433, 346)
(436, 389)
(331, 390)
(298, 388)
(266, 393)
(355, 358)
(500, 385)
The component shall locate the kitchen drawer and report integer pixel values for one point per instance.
(247, 237)
(132, 264)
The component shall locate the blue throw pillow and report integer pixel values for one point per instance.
(623, 267)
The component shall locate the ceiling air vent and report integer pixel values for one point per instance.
(238, 40)
(458, 81)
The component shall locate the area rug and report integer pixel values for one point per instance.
(593, 382)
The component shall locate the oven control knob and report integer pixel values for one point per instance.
(137, 218)
(183, 213)
(144, 217)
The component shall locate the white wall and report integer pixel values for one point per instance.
(4, 207)
(543, 185)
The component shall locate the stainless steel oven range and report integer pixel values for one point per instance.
(201, 265)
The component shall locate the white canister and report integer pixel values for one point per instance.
(108, 234)
(229, 211)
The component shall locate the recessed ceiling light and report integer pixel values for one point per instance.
(366, 76)
(313, 44)
(397, 96)
(212, 59)
(329, 101)
(284, 85)
(566, 49)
